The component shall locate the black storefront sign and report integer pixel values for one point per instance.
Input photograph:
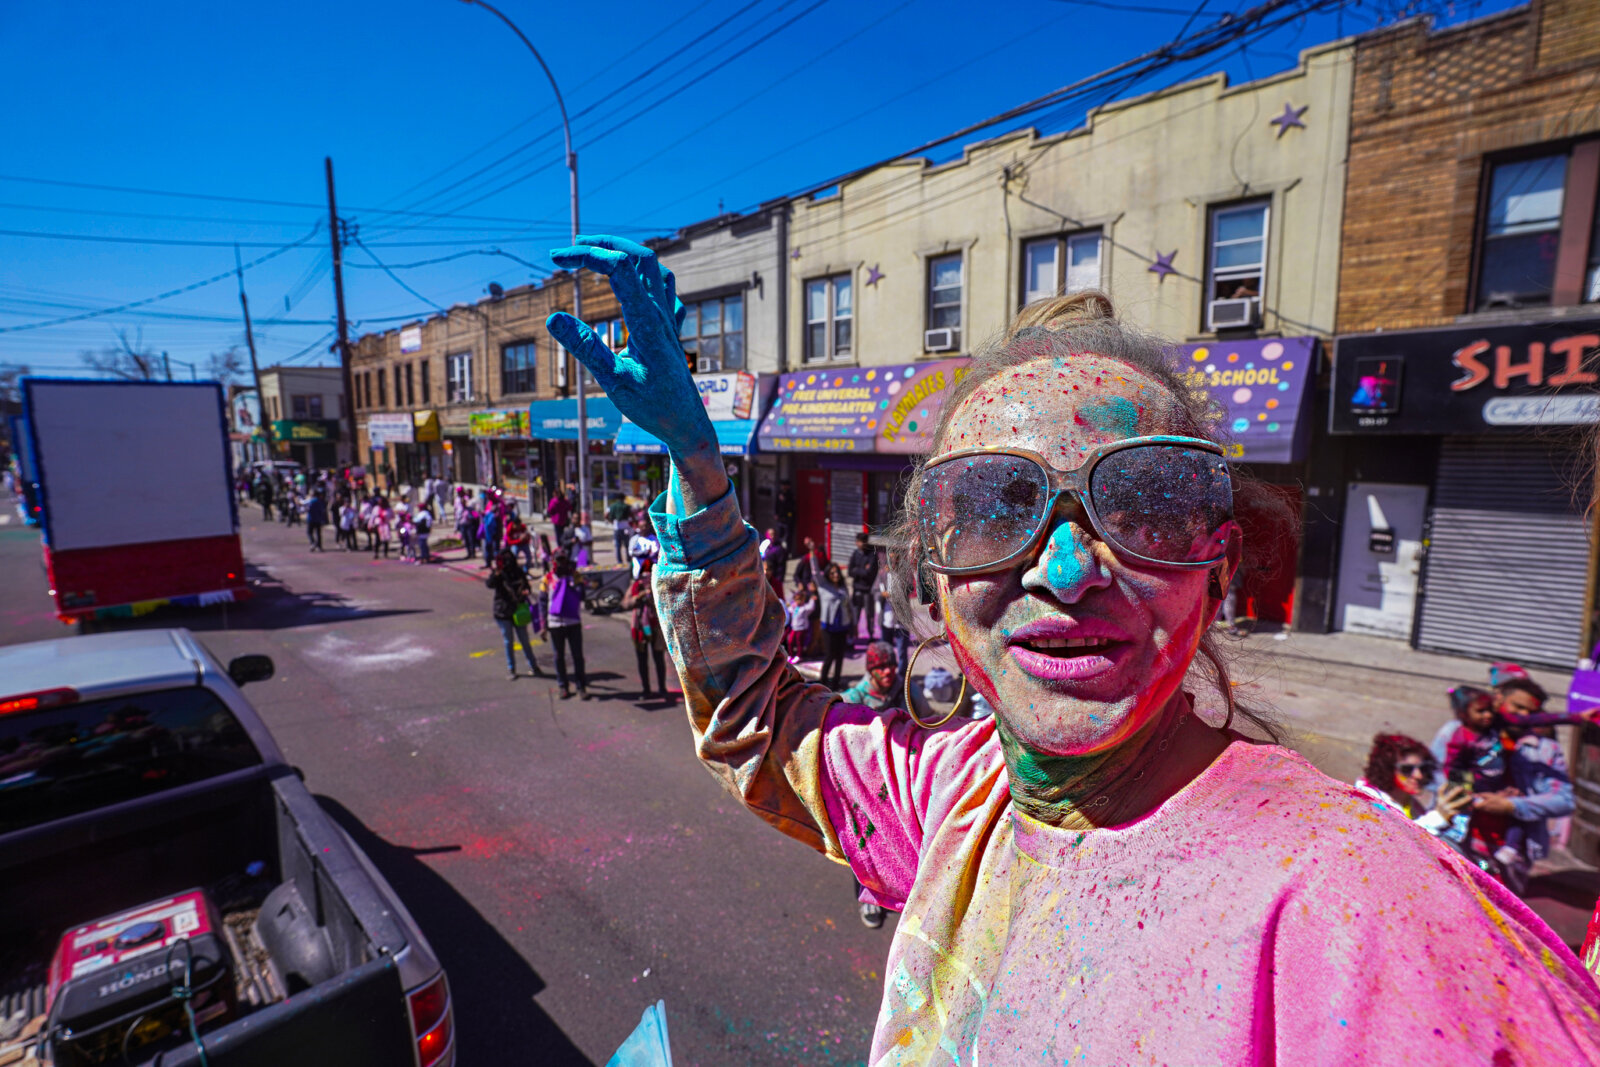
(1467, 380)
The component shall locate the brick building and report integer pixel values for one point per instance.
(1468, 323)
(450, 395)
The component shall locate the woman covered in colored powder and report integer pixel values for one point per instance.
(1096, 874)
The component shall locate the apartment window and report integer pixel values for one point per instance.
(314, 405)
(411, 392)
(1068, 263)
(944, 292)
(458, 378)
(366, 389)
(383, 389)
(829, 318)
(427, 386)
(299, 407)
(713, 334)
(399, 394)
(1522, 232)
(1236, 266)
(517, 364)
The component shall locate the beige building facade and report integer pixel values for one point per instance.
(1168, 202)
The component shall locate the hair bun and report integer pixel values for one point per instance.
(1062, 312)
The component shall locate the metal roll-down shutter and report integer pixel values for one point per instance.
(1508, 555)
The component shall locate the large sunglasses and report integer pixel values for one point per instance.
(1163, 500)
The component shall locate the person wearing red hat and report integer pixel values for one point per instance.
(876, 688)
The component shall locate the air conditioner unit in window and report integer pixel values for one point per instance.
(1234, 314)
(943, 340)
(707, 366)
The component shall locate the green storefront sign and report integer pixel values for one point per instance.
(305, 430)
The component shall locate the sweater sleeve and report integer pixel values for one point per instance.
(757, 723)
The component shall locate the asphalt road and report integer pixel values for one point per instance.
(570, 861)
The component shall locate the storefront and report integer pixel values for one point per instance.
(386, 433)
(500, 446)
(310, 442)
(852, 434)
(553, 424)
(1483, 551)
(455, 441)
(734, 402)
(1260, 385)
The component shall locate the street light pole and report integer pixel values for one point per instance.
(577, 285)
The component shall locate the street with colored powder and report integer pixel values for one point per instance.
(570, 861)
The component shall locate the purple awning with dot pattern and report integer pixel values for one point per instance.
(891, 409)
(1260, 384)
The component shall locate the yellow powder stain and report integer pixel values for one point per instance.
(904, 1040)
(1549, 961)
(1287, 860)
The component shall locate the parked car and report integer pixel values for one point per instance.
(168, 884)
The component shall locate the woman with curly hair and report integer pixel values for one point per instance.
(1400, 770)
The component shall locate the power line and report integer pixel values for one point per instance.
(446, 259)
(395, 277)
(162, 296)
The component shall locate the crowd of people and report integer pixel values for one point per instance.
(1493, 781)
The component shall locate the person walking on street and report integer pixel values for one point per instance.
(582, 541)
(559, 512)
(621, 517)
(489, 531)
(517, 539)
(511, 609)
(316, 519)
(863, 574)
(644, 545)
(566, 623)
(421, 527)
(382, 528)
(833, 612)
(264, 495)
(347, 523)
(468, 522)
(812, 563)
(645, 629)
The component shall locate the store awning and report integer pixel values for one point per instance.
(891, 409)
(1260, 383)
(735, 437)
(426, 424)
(557, 420)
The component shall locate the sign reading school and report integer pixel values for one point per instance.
(891, 409)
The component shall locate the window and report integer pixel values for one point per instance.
(275, 413)
(944, 292)
(427, 386)
(399, 394)
(458, 378)
(713, 335)
(383, 396)
(1052, 266)
(1522, 232)
(366, 389)
(517, 365)
(411, 392)
(1237, 266)
(298, 404)
(828, 318)
(103, 752)
(314, 405)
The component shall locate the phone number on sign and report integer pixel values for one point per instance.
(814, 444)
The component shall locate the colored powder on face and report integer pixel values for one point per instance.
(1117, 414)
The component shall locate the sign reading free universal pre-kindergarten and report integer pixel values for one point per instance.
(1260, 384)
(891, 409)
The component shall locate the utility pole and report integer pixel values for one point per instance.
(166, 362)
(255, 368)
(349, 412)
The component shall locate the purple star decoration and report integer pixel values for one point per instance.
(1289, 119)
(874, 276)
(796, 253)
(1163, 264)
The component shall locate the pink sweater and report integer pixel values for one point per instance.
(1265, 913)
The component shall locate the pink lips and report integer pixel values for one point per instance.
(1052, 668)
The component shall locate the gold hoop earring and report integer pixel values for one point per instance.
(949, 714)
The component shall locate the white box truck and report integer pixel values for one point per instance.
(135, 497)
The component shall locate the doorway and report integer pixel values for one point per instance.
(811, 506)
(1380, 557)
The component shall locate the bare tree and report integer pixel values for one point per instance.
(226, 366)
(128, 359)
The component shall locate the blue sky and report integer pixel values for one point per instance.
(411, 96)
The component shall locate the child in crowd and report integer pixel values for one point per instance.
(802, 605)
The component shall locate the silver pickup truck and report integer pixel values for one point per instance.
(170, 892)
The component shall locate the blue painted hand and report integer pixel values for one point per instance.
(649, 379)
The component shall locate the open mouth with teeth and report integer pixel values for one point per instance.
(1068, 646)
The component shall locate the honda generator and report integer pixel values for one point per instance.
(132, 980)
